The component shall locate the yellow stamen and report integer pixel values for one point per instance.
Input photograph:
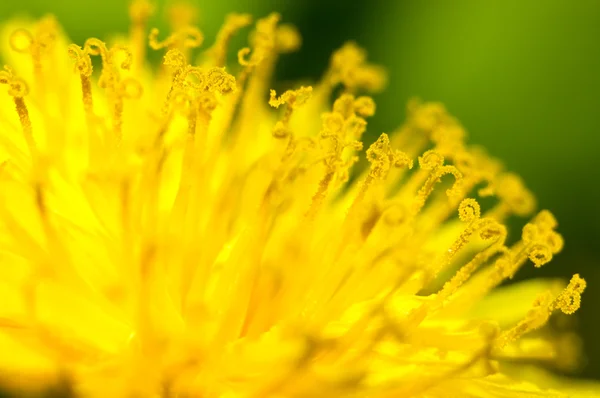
(293, 99)
(18, 90)
(139, 13)
(233, 23)
(210, 245)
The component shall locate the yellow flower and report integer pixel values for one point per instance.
(166, 233)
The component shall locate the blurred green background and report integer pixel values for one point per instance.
(522, 76)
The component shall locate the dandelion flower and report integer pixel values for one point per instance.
(183, 231)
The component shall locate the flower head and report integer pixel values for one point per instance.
(179, 233)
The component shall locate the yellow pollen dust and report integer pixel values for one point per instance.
(185, 230)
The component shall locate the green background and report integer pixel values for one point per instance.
(522, 76)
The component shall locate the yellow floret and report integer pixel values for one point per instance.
(164, 232)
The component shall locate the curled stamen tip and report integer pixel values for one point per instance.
(126, 55)
(469, 210)
(540, 254)
(175, 59)
(505, 265)
(355, 145)
(364, 106)
(569, 300)
(17, 86)
(577, 284)
(382, 157)
(219, 80)
(233, 23)
(21, 41)
(242, 57)
(555, 241)
(344, 105)
(6, 75)
(449, 136)
(193, 37)
(515, 195)
(378, 148)
(546, 220)
(431, 160)
(539, 231)
(427, 116)
(46, 31)
(153, 39)
(187, 37)
(83, 62)
(94, 46)
(333, 123)
(288, 39)
(373, 78)
(263, 41)
(348, 53)
(348, 66)
(402, 160)
(207, 102)
(182, 101)
(293, 98)
(273, 100)
(493, 229)
(531, 233)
